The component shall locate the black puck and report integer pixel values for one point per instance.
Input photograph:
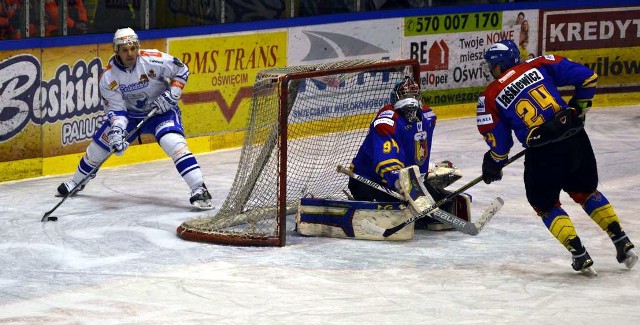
(52, 218)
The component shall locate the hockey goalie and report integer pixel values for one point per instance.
(393, 177)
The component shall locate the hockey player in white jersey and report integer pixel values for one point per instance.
(134, 83)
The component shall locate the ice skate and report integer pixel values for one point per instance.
(201, 198)
(66, 188)
(582, 262)
(625, 253)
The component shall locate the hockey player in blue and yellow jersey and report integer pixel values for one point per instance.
(524, 99)
(398, 137)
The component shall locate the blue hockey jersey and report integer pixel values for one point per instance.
(394, 143)
(526, 96)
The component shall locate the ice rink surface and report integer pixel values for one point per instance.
(114, 256)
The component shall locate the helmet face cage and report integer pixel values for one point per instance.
(410, 109)
(504, 54)
(125, 36)
(407, 88)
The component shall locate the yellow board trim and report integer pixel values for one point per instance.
(67, 164)
(36, 167)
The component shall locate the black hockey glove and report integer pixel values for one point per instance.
(581, 106)
(565, 124)
(491, 169)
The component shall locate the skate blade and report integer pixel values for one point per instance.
(589, 271)
(63, 195)
(631, 259)
(203, 205)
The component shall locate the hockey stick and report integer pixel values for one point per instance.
(390, 231)
(95, 169)
(442, 216)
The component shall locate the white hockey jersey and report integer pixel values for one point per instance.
(132, 90)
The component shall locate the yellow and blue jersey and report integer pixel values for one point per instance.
(394, 143)
(526, 96)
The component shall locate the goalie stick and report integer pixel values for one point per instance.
(467, 227)
(390, 231)
(95, 169)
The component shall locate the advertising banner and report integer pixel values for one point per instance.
(450, 49)
(51, 102)
(607, 40)
(223, 70)
(375, 39)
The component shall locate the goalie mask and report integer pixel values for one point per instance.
(406, 99)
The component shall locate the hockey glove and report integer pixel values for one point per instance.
(167, 101)
(565, 124)
(116, 140)
(581, 106)
(442, 174)
(491, 169)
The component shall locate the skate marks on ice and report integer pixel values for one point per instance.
(113, 256)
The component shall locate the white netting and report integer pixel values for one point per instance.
(328, 110)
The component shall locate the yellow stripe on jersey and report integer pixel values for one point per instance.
(388, 165)
(498, 157)
(590, 82)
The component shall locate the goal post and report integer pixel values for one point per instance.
(303, 122)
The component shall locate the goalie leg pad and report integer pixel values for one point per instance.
(343, 219)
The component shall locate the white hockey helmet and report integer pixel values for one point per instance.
(125, 36)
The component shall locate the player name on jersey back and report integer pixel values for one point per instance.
(515, 87)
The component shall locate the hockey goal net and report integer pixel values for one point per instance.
(303, 122)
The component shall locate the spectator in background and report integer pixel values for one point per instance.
(10, 19)
(77, 21)
(524, 38)
(78, 16)
(311, 8)
(111, 15)
(396, 4)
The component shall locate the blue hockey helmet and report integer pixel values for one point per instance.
(407, 88)
(504, 53)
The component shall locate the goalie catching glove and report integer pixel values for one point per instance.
(442, 174)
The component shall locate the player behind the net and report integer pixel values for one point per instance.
(134, 83)
(524, 99)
